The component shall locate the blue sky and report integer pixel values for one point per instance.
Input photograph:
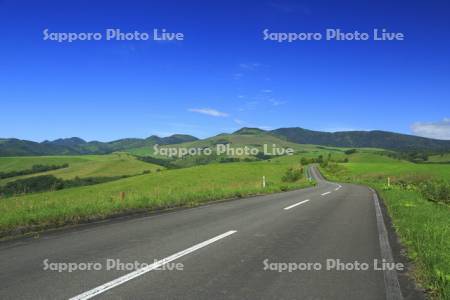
(223, 75)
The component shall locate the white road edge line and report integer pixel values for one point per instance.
(118, 281)
(325, 193)
(339, 186)
(296, 204)
(393, 291)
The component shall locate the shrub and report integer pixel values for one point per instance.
(32, 184)
(34, 169)
(262, 156)
(304, 161)
(284, 188)
(324, 164)
(228, 159)
(158, 161)
(436, 190)
(292, 175)
(413, 156)
(49, 183)
(77, 181)
(335, 169)
(350, 151)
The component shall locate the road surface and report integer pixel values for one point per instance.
(226, 250)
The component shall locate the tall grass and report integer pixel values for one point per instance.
(424, 228)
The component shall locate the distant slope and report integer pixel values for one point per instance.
(250, 138)
(283, 137)
(16, 147)
(357, 139)
(76, 146)
(440, 158)
(117, 164)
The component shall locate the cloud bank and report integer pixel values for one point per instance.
(209, 112)
(437, 130)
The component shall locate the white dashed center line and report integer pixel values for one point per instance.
(294, 205)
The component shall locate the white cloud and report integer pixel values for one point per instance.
(237, 76)
(249, 66)
(276, 102)
(209, 112)
(239, 122)
(266, 91)
(437, 130)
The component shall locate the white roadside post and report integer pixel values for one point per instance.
(264, 181)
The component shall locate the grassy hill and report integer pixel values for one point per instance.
(358, 139)
(369, 166)
(158, 190)
(250, 137)
(116, 164)
(295, 135)
(440, 158)
(74, 146)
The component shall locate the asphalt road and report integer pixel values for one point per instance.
(224, 250)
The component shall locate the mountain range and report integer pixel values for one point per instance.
(75, 145)
(353, 139)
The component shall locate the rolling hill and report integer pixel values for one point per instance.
(245, 137)
(284, 137)
(77, 146)
(358, 139)
(110, 165)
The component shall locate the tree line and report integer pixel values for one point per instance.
(34, 169)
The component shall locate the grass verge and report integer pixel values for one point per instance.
(422, 226)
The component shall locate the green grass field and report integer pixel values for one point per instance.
(116, 164)
(423, 226)
(158, 190)
(369, 166)
(440, 158)
(239, 140)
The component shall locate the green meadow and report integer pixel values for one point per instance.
(254, 140)
(116, 164)
(445, 157)
(422, 225)
(157, 190)
(372, 167)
